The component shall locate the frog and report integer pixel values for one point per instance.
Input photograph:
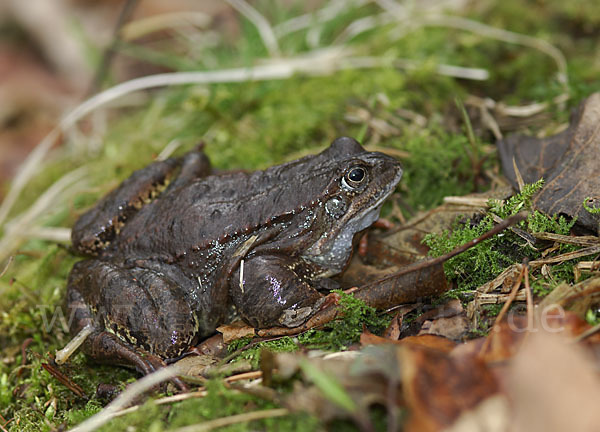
(177, 249)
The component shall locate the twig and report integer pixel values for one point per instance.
(529, 298)
(244, 376)
(516, 110)
(456, 251)
(468, 201)
(235, 419)
(8, 263)
(587, 333)
(511, 298)
(260, 22)
(566, 256)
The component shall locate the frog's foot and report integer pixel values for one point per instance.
(105, 347)
(272, 292)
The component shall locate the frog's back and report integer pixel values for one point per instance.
(223, 207)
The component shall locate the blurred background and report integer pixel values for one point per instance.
(53, 54)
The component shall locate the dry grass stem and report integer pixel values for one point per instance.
(566, 239)
(518, 175)
(504, 36)
(511, 298)
(565, 257)
(235, 419)
(27, 170)
(18, 228)
(244, 376)
(324, 14)
(516, 111)
(585, 266)
(63, 355)
(51, 234)
(7, 265)
(467, 201)
(260, 22)
(144, 26)
(168, 150)
(529, 299)
(496, 298)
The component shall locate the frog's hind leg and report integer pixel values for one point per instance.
(125, 308)
(96, 228)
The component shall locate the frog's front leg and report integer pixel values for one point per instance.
(273, 291)
(139, 316)
(96, 228)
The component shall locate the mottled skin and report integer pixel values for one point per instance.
(169, 246)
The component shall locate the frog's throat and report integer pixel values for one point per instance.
(337, 251)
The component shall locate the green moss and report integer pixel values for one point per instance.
(489, 258)
(341, 333)
(252, 354)
(336, 335)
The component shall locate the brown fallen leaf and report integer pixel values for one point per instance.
(438, 388)
(392, 332)
(213, 346)
(453, 327)
(449, 309)
(567, 161)
(195, 365)
(235, 330)
(430, 341)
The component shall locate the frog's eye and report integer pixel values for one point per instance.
(354, 177)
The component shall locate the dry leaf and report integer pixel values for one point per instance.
(235, 330)
(453, 328)
(438, 388)
(567, 161)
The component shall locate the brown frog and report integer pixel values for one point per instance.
(175, 249)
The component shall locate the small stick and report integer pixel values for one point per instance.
(8, 263)
(234, 419)
(456, 251)
(529, 298)
(503, 311)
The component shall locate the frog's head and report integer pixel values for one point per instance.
(359, 184)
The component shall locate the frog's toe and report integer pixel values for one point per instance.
(105, 347)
